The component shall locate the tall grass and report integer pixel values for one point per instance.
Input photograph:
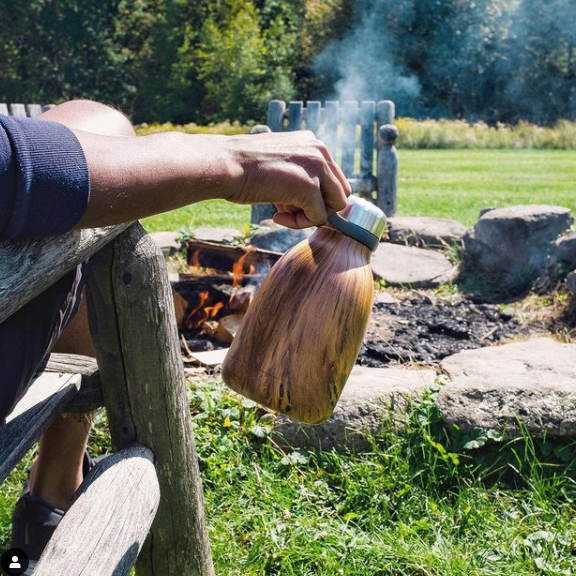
(427, 134)
(458, 134)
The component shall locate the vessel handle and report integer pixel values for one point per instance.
(354, 231)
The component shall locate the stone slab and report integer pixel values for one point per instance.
(277, 238)
(532, 383)
(424, 231)
(167, 242)
(408, 266)
(222, 235)
(565, 248)
(371, 396)
(571, 281)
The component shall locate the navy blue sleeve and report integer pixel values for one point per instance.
(44, 178)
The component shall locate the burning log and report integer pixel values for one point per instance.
(209, 255)
(241, 298)
(180, 306)
(228, 327)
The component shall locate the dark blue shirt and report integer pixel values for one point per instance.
(44, 178)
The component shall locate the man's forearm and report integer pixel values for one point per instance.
(134, 177)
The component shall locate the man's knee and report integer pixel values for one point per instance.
(92, 117)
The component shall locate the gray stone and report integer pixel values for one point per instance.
(422, 231)
(220, 235)
(571, 281)
(408, 266)
(278, 238)
(383, 297)
(513, 245)
(565, 249)
(167, 242)
(532, 383)
(371, 396)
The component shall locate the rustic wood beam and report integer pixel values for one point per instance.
(109, 519)
(28, 267)
(89, 397)
(134, 330)
(37, 409)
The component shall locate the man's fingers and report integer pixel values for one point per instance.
(333, 192)
(310, 212)
(335, 169)
(296, 220)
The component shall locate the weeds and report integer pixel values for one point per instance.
(424, 501)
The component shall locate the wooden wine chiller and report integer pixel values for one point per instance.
(302, 333)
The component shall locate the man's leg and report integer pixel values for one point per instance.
(57, 473)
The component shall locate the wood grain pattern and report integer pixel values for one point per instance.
(37, 409)
(349, 121)
(89, 397)
(28, 267)
(108, 521)
(303, 331)
(134, 329)
(18, 110)
(367, 111)
(275, 118)
(387, 199)
(34, 110)
(312, 115)
(329, 130)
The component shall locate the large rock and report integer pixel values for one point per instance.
(220, 235)
(277, 238)
(532, 382)
(512, 246)
(371, 396)
(565, 249)
(571, 281)
(422, 231)
(409, 266)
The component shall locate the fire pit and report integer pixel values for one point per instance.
(414, 327)
(218, 287)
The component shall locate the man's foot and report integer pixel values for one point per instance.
(34, 520)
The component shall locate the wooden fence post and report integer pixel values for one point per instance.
(312, 116)
(385, 112)
(134, 330)
(18, 110)
(259, 212)
(387, 174)
(276, 109)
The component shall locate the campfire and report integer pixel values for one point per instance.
(216, 291)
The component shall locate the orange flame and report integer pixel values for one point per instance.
(238, 269)
(189, 322)
(211, 311)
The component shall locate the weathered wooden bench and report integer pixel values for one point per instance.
(144, 502)
(354, 133)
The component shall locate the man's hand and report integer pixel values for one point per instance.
(293, 170)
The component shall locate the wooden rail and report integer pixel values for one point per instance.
(109, 519)
(134, 330)
(141, 383)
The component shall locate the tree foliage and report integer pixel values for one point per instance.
(202, 60)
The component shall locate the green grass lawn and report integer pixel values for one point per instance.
(453, 184)
(418, 503)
